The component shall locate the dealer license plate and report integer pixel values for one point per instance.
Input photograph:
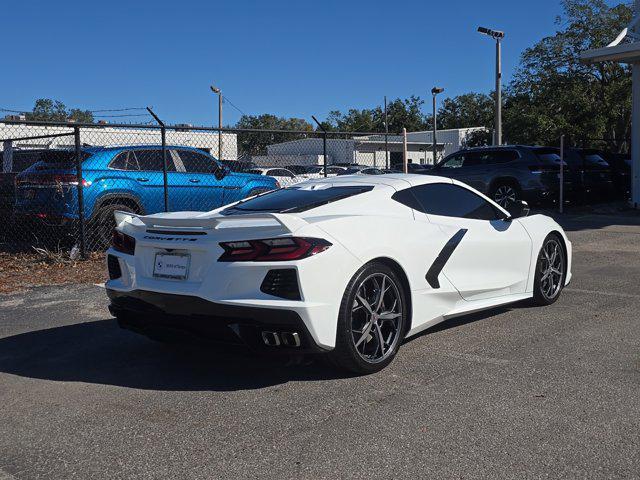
(172, 265)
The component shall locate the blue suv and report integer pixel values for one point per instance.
(131, 179)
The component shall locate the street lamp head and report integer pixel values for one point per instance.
(497, 34)
(214, 89)
(437, 90)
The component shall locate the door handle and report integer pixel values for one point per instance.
(142, 179)
(194, 180)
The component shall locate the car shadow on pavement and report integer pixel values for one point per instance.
(100, 352)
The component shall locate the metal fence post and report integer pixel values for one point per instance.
(561, 206)
(405, 160)
(324, 152)
(324, 144)
(80, 186)
(163, 134)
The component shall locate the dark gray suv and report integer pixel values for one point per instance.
(506, 173)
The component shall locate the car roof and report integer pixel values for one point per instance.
(139, 147)
(398, 181)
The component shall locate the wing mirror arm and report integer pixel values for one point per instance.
(221, 171)
(517, 209)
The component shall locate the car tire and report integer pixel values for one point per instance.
(551, 271)
(503, 192)
(370, 330)
(101, 229)
(257, 191)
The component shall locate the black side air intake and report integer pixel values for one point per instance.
(113, 265)
(443, 257)
(281, 283)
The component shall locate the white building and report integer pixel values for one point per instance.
(366, 150)
(105, 136)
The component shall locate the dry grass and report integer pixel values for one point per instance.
(20, 271)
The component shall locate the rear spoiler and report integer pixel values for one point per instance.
(288, 222)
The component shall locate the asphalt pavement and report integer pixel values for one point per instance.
(516, 392)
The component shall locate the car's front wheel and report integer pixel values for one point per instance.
(550, 271)
(372, 320)
(505, 193)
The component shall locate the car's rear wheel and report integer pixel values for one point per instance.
(505, 192)
(371, 322)
(101, 227)
(550, 271)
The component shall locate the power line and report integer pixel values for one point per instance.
(12, 111)
(226, 99)
(125, 115)
(117, 109)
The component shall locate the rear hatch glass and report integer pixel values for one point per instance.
(294, 199)
(548, 155)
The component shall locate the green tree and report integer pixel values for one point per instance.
(468, 110)
(553, 93)
(255, 143)
(48, 110)
(402, 113)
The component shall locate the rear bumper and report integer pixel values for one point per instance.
(173, 317)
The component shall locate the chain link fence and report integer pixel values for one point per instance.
(61, 183)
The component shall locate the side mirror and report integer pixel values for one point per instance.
(518, 209)
(221, 171)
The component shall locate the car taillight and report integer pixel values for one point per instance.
(123, 243)
(51, 179)
(272, 249)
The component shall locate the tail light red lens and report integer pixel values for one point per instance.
(52, 179)
(272, 249)
(123, 243)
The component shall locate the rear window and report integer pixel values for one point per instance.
(64, 157)
(595, 159)
(23, 159)
(294, 199)
(547, 155)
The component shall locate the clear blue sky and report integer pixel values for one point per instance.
(290, 58)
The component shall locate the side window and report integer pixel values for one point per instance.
(149, 160)
(454, 162)
(453, 201)
(195, 162)
(120, 162)
(125, 161)
(279, 172)
(473, 159)
(501, 156)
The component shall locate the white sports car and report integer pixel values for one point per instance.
(346, 266)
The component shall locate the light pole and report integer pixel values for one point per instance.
(386, 135)
(219, 92)
(497, 35)
(435, 91)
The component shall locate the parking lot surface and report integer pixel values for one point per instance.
(515, 392)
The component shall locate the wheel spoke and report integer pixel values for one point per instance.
(381, 295)
(365, 333)
(364, 303)
(380, 339)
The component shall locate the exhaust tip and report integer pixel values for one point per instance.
(290, 339)
(271, 339)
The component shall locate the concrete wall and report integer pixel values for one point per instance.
(110, 136)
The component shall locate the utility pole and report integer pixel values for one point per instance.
(497, 35)
(435, 91)
(219, 92)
